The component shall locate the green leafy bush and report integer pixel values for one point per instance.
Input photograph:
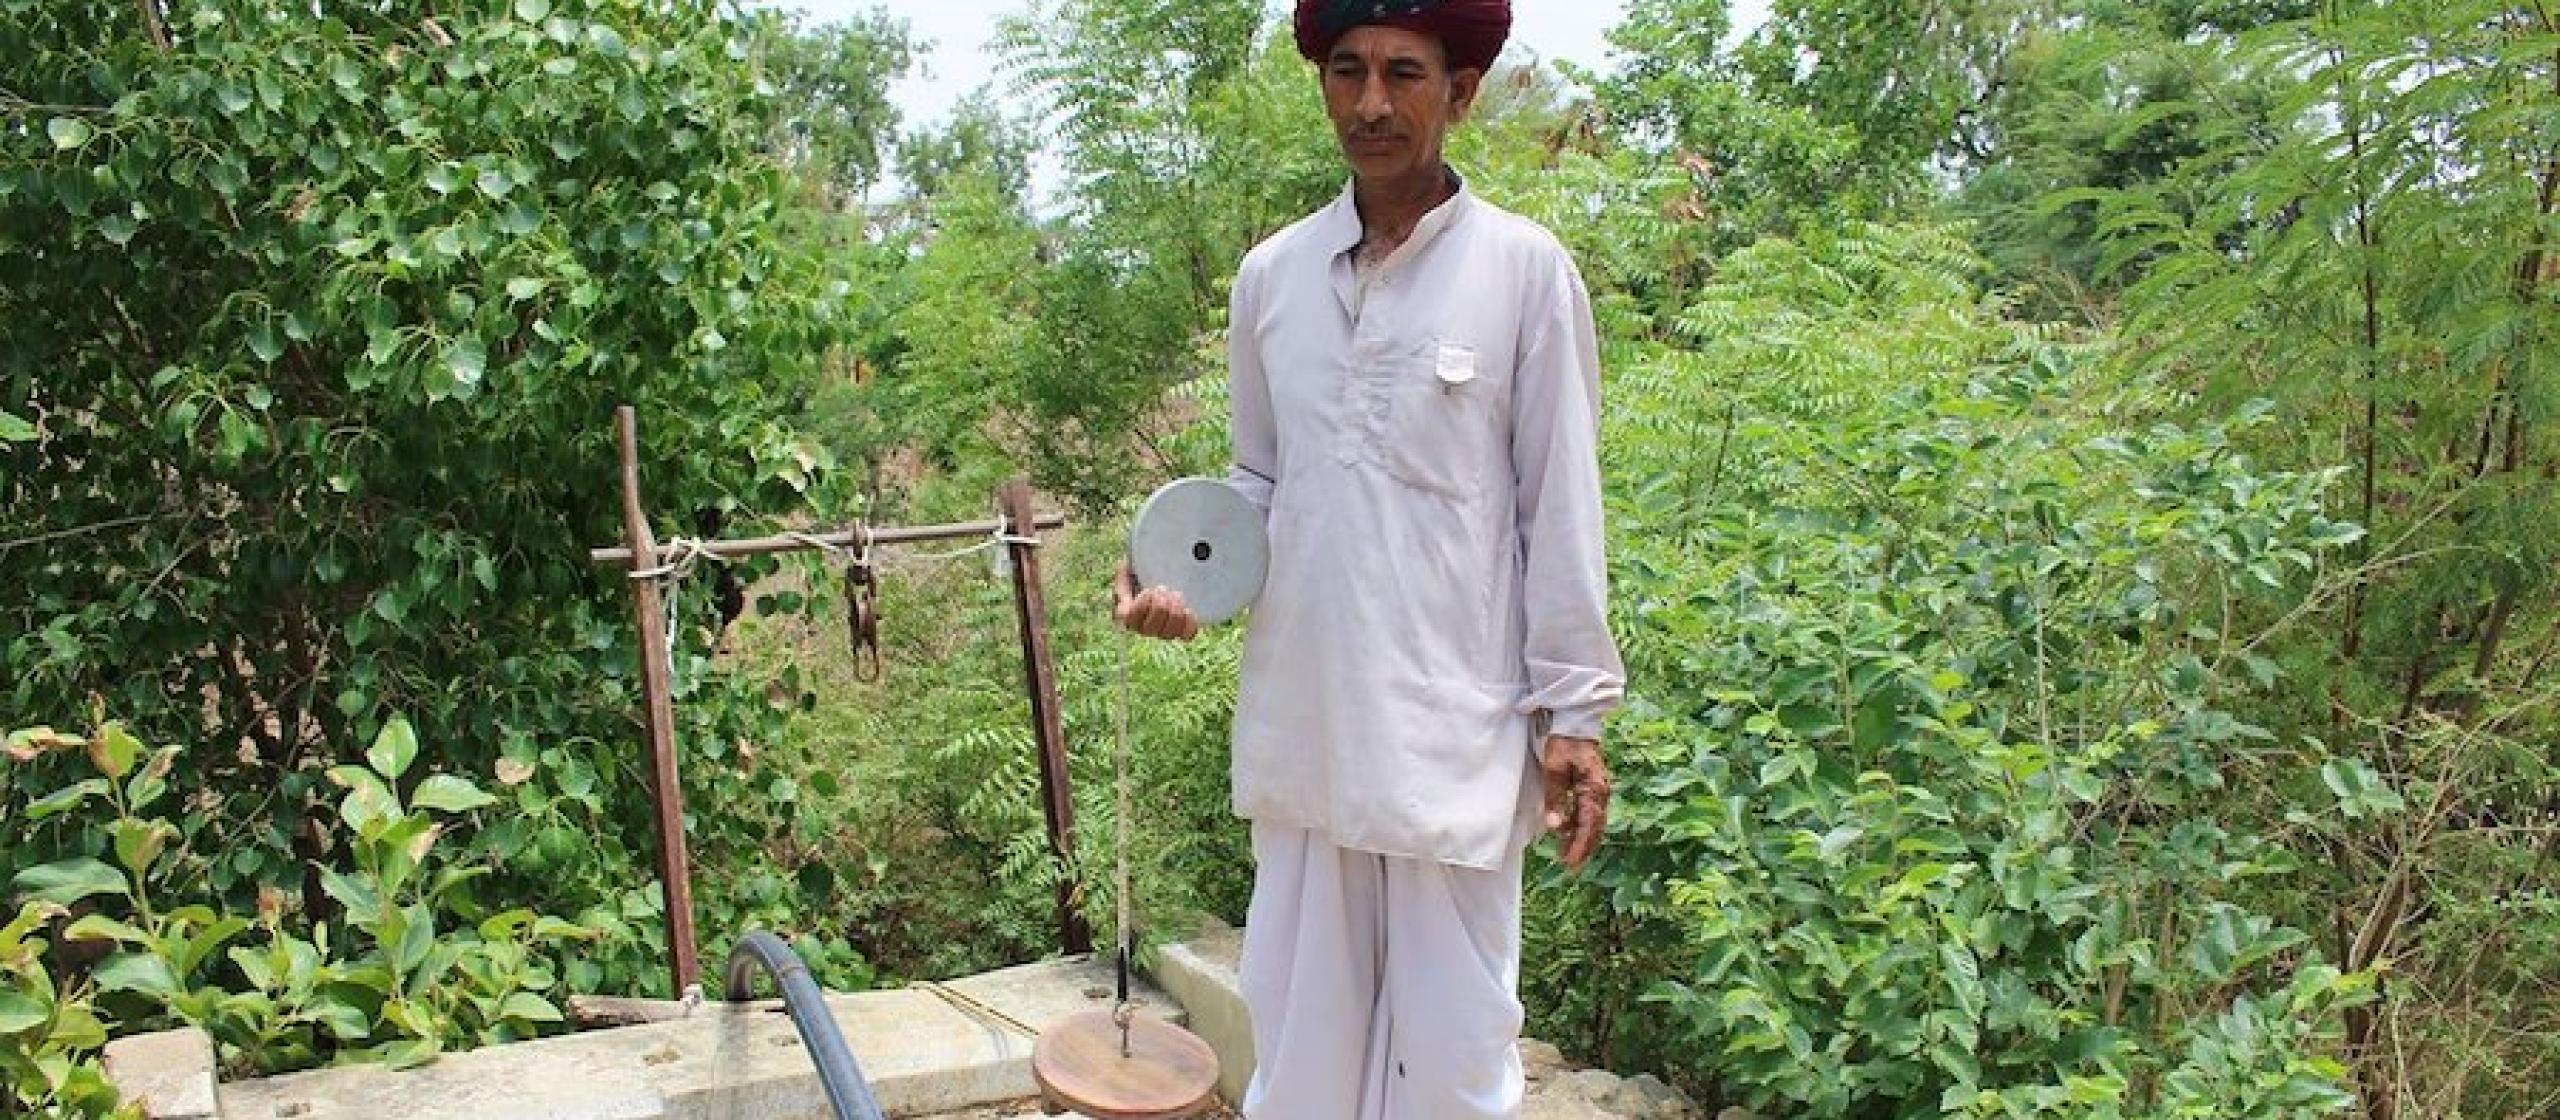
(418, 966)
(1928, 721)
(311, 325)
(49, 1034)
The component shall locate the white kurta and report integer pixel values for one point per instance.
(1423, 443)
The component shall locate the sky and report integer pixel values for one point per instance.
(958, 61)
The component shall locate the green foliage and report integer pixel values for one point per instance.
(2360, 227)
(313, 325)
(832, 81)
(1920, 722)
(979, 139)
(921, 791)
(1188, 137)
(2020, 723)
(419, 965)
(1830, 109)
(49, 1035)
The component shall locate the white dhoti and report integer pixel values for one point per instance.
(1380, 988)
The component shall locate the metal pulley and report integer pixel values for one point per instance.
(1200, 537)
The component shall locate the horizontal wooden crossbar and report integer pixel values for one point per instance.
(841, 538)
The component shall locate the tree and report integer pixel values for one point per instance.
(311, 324)
(979, 139)
(2376, 256)
(831, 88)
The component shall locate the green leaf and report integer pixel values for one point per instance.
(548, 928)
(68, 881)
(530, 1008)
(450, 793)
(209, 941)
(114, 751)
(345, 1021)
(139, 843)
(254, 966)
(358, 896)
(407, 1054)
(394, 749)
(523, 288)
(66, 799)
(15, 429)
(152, 781)
(20, 1012)
(99, 927)
(533, 11)
(468, 359)
(137, 972)
(76, 1028)
(414, 938)
(68, 132)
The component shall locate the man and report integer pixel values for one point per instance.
(1415, 381)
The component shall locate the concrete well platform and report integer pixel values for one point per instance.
(923, 1051)
(959, 1051)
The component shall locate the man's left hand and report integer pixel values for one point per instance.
(1577, 788)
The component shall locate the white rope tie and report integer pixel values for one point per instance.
(682, 555)
(678, 559)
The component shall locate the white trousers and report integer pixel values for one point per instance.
(1380, 988)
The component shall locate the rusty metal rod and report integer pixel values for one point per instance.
(841, 538)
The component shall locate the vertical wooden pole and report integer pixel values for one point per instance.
(675, 876)
(1048, 726)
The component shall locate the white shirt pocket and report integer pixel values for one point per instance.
(1443, 421)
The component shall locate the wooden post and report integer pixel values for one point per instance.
(675, 877)
(1048, 725)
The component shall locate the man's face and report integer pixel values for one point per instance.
(1393, 98)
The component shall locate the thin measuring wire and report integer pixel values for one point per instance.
(1120, 783)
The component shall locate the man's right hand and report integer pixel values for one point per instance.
(1157, 612)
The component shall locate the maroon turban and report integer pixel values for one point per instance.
(1473, 30)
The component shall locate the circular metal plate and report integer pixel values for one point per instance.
(1201, 538)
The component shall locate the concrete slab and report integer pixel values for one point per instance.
(168, 1073)
(922, 1051)
(1200, 974)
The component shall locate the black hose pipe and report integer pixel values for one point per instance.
(807, 1004)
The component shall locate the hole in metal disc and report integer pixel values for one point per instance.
(1200, 551)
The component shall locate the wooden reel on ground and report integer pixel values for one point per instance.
(1167, 1073)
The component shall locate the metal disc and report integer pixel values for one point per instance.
(1167, 1074)
(1201, 538)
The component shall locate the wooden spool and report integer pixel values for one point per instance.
(1168, 1074)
